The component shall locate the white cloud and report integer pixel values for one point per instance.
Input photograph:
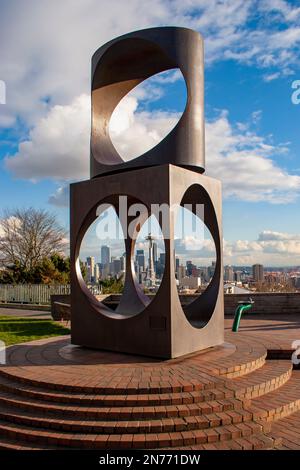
(287, 11)
(256, 116)
(272, 76)
(60, 198)
(167, 77)
(268, 235)
(270, 248)
(58, 146)
(243, 160)
(49, 64)
(133, 133)
(192, 245)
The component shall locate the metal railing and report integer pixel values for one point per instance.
(31, 293)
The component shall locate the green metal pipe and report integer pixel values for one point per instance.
(238, 314)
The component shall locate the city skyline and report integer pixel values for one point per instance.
(117, 246)
(149, 267)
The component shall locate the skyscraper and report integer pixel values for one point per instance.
(181, 272)
(189, 267)
(96, 272)
(160, 265)
(105, 254)
(150, 270)
(117, 266)
(123, 262)
(155, 252)
(258, 272)
(90, 261)
(211, 269)
(140, 259)
(228, 274)
(162, 259)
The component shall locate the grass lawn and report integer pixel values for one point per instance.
(15, 330)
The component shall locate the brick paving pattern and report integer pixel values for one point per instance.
(242, 395)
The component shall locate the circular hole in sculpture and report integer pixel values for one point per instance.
(195, 261)
(148, 262)
(148, 113)
(102, 257)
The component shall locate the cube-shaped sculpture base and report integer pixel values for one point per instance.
(160, 328)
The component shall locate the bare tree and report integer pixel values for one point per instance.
(29, 235)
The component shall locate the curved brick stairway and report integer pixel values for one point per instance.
(56, 396)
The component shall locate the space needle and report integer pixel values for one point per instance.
(150, 277)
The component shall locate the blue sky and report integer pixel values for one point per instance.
(252, 51)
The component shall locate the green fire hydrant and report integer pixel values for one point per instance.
(242, 307)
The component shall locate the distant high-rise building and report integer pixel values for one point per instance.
(160, 265)
(181, 272)
(204, 274)
(211, 269)
(105, 254)
(90, 262)
(123, 262)
(189, 267)
(162, 259)
(196, 272)
(228, 274)
(112, 266)
(150, 270)
(142, 277)
(155, 252)
(117, 266)
(96, 272)
(177, 264)
(258, 272)
(105, 270)
(140, 259)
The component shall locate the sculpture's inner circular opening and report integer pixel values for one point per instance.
(120, 262)
(102, 257)
(148, 113)
(148, 261)
(195, 255)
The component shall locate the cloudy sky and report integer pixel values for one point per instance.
(252, 54)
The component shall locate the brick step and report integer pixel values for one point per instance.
(278, 403)
(238, 363)
(273, 375)
(127, 441)
(166, 377)
(158, 425)
(238, 368)
(199, 380)
(269, 377)
(116, 400)
(258, 441)
(10, 444)
(120, 413)
(288, 430)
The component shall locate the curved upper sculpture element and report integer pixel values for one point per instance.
(123, 63)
